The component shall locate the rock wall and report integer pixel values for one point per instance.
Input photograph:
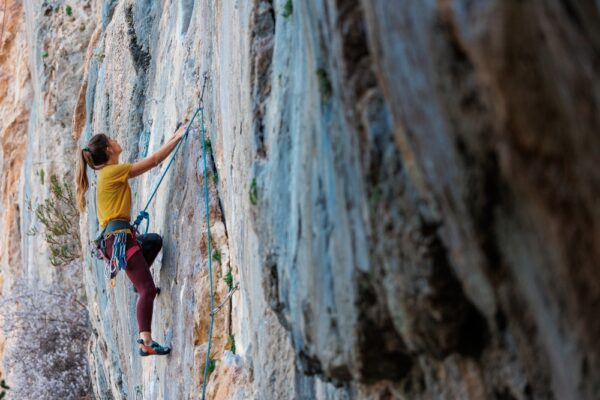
(405, 194)
(15, 91)
(15, 97)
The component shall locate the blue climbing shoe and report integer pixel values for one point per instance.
(154, 349)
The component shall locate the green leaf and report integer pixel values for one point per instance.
(211, 365)
(253, 193)
(217, 255)
(232, 343)
(229, 280)
(288, 9)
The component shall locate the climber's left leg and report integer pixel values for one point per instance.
(139, 273)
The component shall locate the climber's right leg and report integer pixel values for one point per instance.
(139, 273)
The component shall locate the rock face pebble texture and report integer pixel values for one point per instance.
(405, 192)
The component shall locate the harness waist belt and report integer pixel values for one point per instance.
(115, 225)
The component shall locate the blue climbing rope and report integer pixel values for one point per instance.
(212, 297)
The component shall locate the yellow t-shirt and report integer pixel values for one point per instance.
(113, 195)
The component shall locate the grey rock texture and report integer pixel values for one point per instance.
(406, 193)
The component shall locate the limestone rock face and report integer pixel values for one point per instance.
(403, 194)
(15, 97)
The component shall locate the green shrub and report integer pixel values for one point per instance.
(59, 216)
(69, 10)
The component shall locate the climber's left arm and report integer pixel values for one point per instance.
(156, 158)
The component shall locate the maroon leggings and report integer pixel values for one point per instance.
(138, 271)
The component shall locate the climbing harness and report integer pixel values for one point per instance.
(120, 254)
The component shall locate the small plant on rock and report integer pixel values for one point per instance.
(375, 198)
(324, 83)
(217, 255)
(69, 10)
(288, 9)
(229, 280)
(207, 146)
(232, 343)
(253, 194)
(211, 365)
(58, 214)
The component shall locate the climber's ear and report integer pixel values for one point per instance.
(109, 150)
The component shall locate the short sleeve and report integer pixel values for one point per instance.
(117, 174)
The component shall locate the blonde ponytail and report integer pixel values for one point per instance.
(82, 181)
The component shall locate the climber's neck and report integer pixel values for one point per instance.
(112, 159)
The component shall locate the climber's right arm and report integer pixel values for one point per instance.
(157, 157)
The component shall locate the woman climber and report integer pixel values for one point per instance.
(113, 202)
